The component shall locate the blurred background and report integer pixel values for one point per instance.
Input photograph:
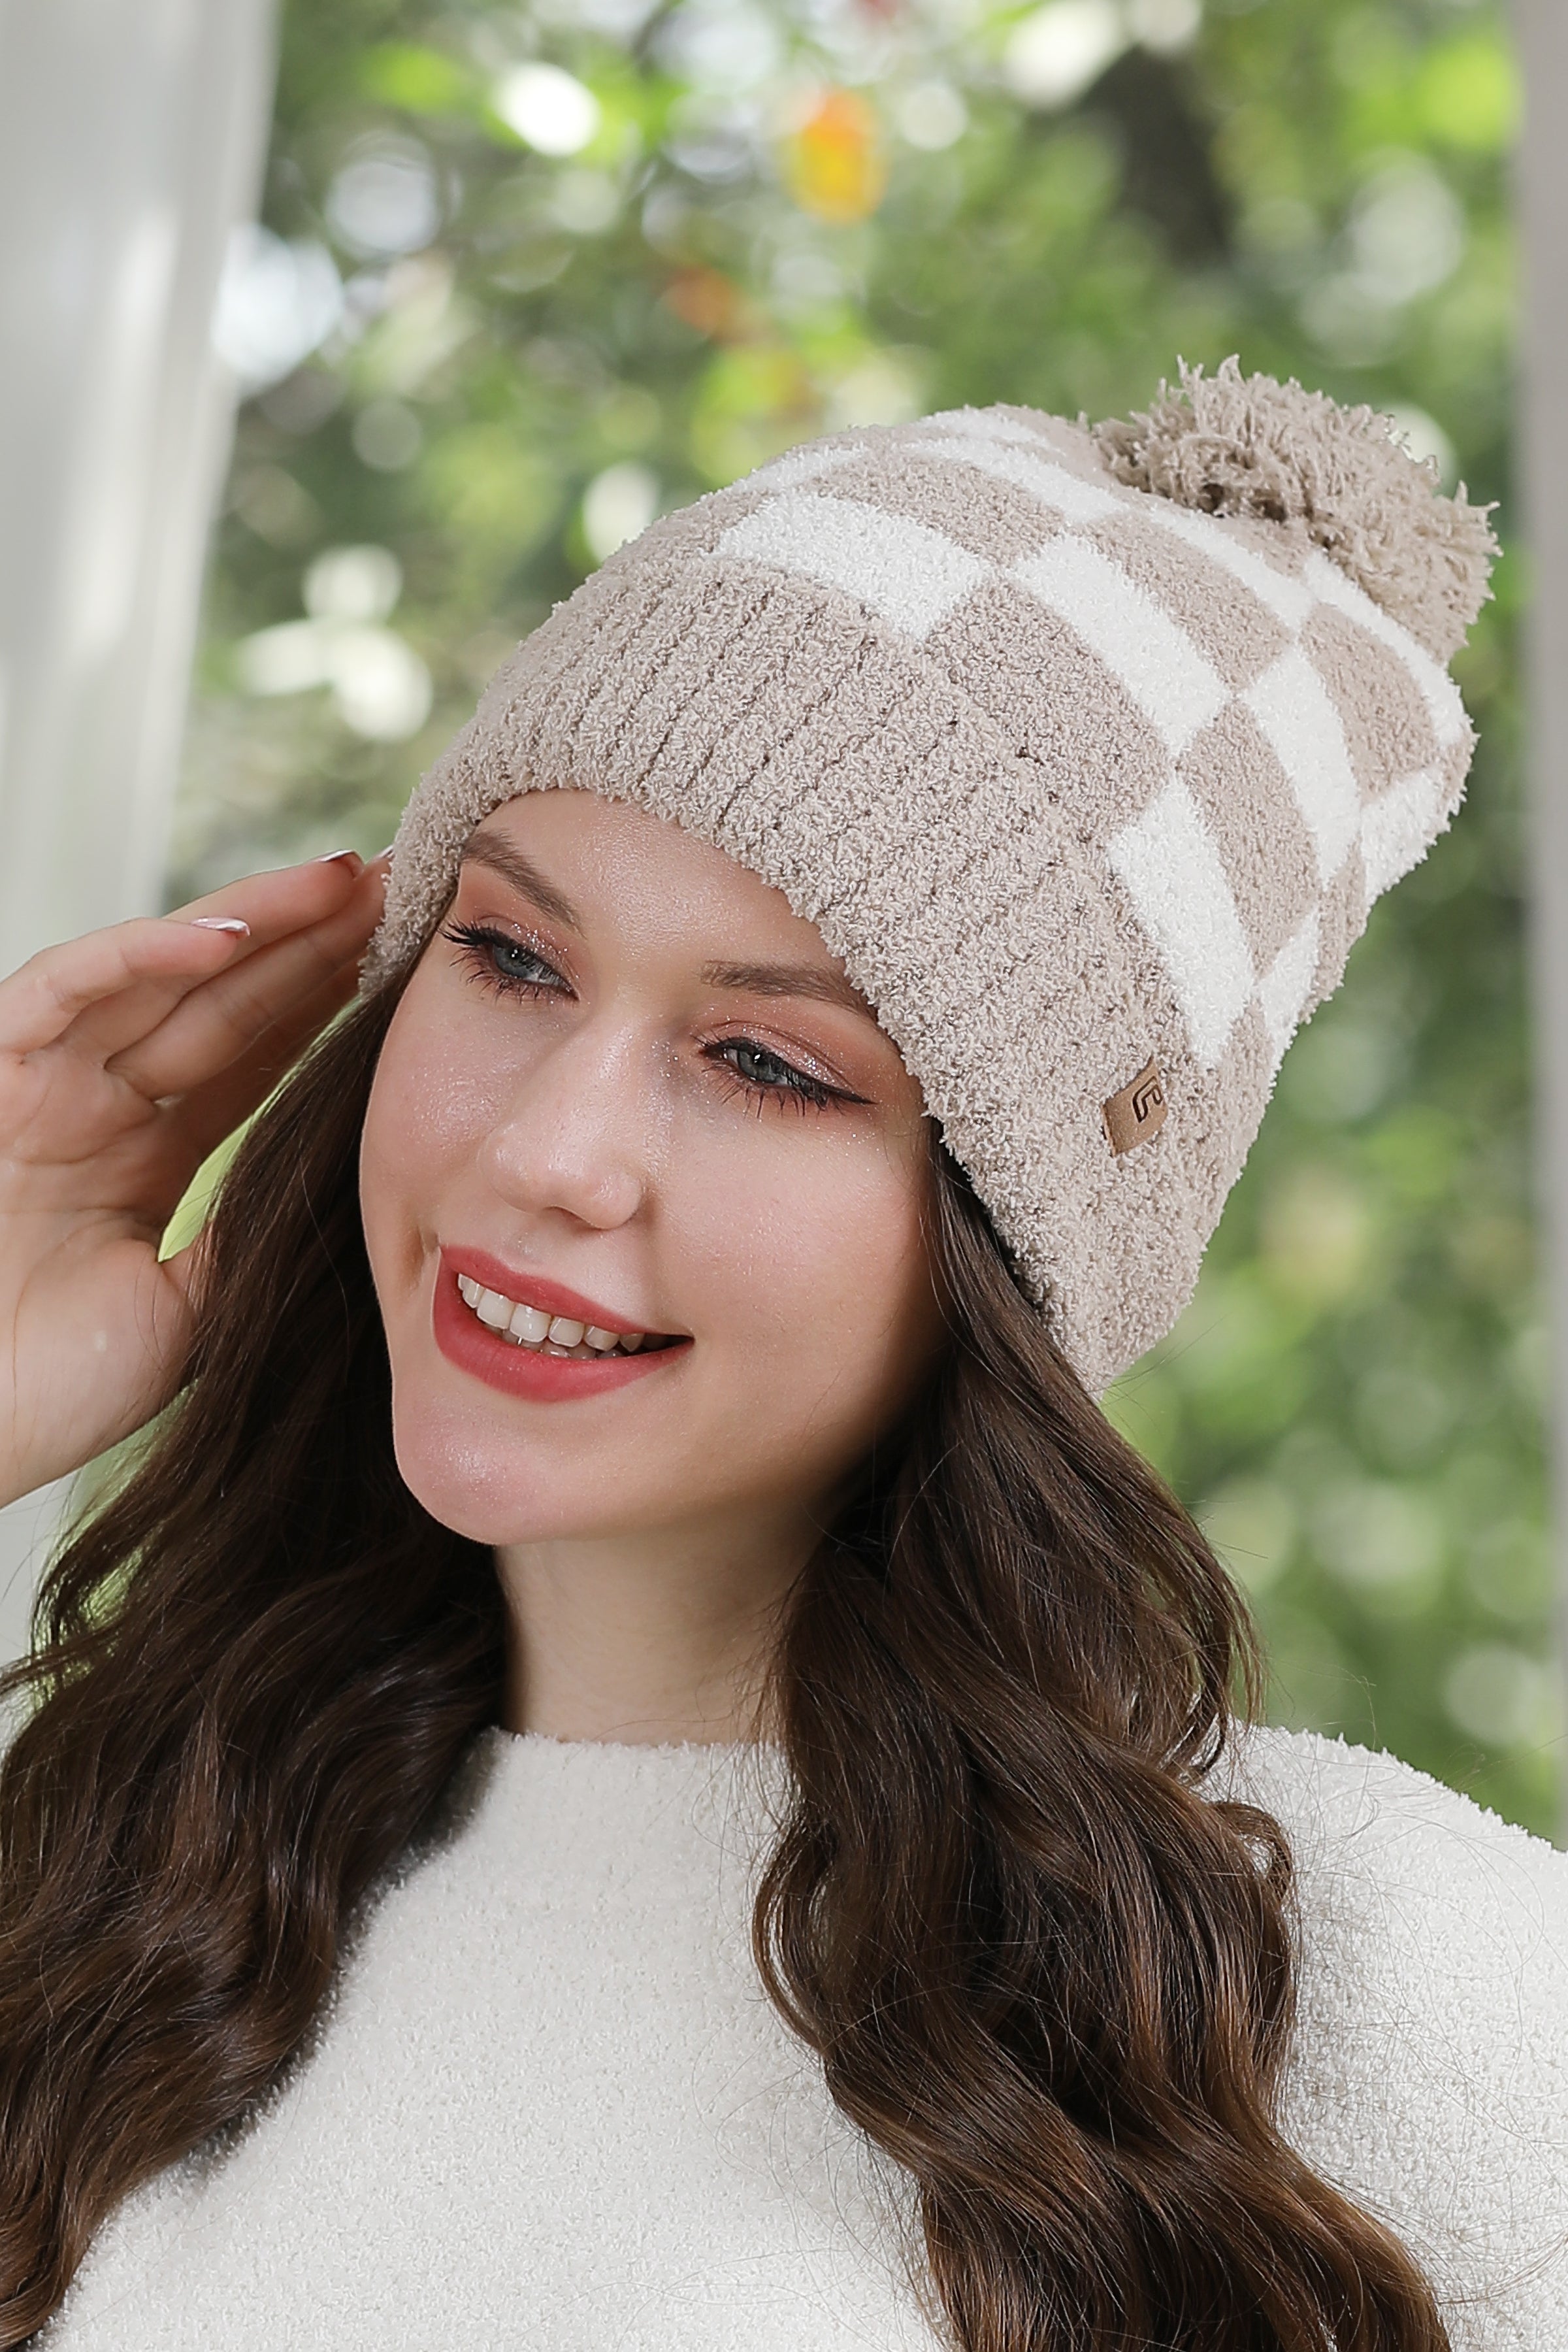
(509, 280)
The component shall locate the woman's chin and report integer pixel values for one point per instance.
(490, 1493)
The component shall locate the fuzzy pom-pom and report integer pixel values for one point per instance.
(1235, 445)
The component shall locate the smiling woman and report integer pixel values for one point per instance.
(663, 1111)
(627, 1530)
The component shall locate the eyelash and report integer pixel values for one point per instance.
(481, 948)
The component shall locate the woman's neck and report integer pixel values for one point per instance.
(646, 1639)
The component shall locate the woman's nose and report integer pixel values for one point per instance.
(576, 1138)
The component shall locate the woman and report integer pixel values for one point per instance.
(636, 1763)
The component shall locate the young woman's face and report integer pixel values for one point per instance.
(627, 1091)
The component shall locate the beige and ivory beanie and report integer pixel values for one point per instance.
(1086, 749)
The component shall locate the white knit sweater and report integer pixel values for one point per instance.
(549, 2109)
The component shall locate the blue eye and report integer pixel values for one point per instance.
(512, 968)
(766, 1069)
(505, 962)
(769, 1073)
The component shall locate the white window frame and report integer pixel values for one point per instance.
(131, 139)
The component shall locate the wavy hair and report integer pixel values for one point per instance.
(1043, 1968)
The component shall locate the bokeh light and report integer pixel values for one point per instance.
(552, 110)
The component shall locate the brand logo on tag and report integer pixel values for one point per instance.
(1136, 1110)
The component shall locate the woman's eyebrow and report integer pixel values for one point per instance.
(484, 849)
(756, 979)
(788, 979)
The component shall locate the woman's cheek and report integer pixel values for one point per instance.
(812, 1268)
(420, 1131)
(433, 1103)
(433, 1089)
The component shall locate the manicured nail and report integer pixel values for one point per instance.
(338, 857)
(383, 852)
(220, 923)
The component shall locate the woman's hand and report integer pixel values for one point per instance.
(125, 1057)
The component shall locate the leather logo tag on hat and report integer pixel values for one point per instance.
(1136, 1110)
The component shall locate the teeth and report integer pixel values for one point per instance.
(550, 1335)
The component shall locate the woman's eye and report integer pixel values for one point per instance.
(505, 961)
(769, 1073)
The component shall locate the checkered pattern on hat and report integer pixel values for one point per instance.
(1248, 702)
(1071, 777)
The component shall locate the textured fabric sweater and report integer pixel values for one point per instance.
(548, 2105)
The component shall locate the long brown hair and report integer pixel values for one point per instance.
(1043, 1969)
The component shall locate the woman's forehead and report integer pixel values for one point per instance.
(581, 857)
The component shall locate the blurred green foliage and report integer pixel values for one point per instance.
(567, 303)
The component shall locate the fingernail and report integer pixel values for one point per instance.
(220, 923)
(383, 852)
(337, 858)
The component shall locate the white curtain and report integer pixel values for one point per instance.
(131, 133)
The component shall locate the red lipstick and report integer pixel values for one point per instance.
(474, 1347)
(531, 1289)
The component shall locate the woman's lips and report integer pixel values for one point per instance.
(474, 1347)
(531, 1289)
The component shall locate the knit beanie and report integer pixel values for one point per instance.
(1087, 749)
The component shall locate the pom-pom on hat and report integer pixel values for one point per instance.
(1235, 445)
(1087, 749)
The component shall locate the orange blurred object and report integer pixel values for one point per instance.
(835, 164)
(710, 302)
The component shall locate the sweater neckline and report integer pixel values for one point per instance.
(611, 1774)
(536, 1742)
